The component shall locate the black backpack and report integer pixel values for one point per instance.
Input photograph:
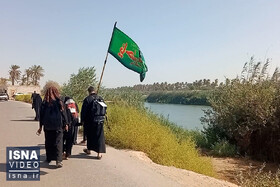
(99, 109)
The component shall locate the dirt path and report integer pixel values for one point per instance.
(183, 177)
(229, 168)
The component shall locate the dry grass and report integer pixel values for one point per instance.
(258, 178)
(132, 128)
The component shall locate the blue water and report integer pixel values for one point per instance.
(187, 116)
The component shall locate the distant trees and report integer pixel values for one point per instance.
(36, 74)
(14, 73)
(32, 75)
(28, 74)
(202, 84)
(78, 84)
(180, 97)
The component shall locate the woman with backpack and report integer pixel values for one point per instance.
(53, 119)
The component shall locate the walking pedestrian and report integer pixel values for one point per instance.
(69, 135)
(53, 119)
(74, 109)
(36, 104)
(93, 117)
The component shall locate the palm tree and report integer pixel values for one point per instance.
(23, 79)
(28, 73)
(14, 73)
(36, 74)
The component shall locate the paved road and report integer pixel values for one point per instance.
(116, 168)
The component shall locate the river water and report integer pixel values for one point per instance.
(187, 116)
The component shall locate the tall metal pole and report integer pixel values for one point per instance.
(105, 60)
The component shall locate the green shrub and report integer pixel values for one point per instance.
(223, 148)
(78, 84)
(246, 113)
(23, 98)
(212, 133)
(132, 128)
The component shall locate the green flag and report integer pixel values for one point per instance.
(125, 50)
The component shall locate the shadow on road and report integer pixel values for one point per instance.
(2, 167)
(42, 146)
(84, 156)
(43, 163)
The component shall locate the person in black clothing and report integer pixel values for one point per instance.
(93, 124)
(36, 104)
(72, 116)
(53, 118)
(74, 109)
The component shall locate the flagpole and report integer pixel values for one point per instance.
(105, 61)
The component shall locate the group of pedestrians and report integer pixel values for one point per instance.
(59, 119)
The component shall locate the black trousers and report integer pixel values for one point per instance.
(75, 134)
(53, 144)
(85, 132)
(37, 112)
(67, 141)
(75, 130)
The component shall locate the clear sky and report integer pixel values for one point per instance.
(182, 41)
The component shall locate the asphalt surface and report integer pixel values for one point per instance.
(116, 168)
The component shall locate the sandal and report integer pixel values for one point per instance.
(86, 151)
(59, 164)
(99, 157)
(67, 156)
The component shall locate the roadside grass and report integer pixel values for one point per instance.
(24, 98)
(132, 128)
(258, 178)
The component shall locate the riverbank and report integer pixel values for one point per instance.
(195, 97)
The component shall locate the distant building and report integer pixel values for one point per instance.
(26, 90)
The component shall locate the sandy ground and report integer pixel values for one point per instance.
(229, 168)
(183, 177)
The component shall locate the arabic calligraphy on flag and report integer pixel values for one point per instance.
(127, 52)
